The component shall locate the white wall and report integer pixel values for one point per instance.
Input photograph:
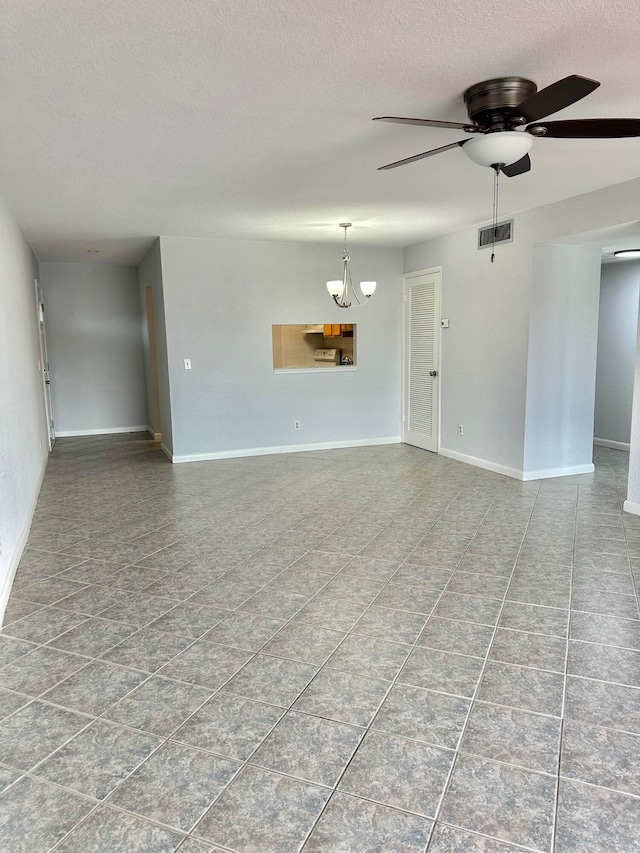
(94, 341)
(561, 371)
(23, 441)
(221, 298)
(485, 351)
(617, 332)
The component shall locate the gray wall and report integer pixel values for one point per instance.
(632, 503)
(221, 298)
(485, 357)
(617, 331)
(561, 374)
(484, 350)
(95, 347)
(23, 436)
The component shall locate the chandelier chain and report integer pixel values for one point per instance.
(494, 230)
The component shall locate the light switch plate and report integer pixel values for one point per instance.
(187, 364)
(444, 323)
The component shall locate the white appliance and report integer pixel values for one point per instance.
(326, 357)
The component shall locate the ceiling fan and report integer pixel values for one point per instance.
(500, 108)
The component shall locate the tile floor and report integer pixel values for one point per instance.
(374, 649)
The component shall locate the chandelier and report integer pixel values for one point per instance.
(344, 291)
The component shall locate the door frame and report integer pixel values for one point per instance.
(153, 379)
(405, 279)
(44, 364)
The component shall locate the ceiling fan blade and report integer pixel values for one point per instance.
(555, 97)
(421, 156)
(518, 168)
(589, 128)
(428, 122)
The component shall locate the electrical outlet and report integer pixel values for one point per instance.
(296, 424)
(460, 429)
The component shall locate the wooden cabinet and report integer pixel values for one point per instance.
(338, 330)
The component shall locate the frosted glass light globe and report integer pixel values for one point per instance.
(506, 147)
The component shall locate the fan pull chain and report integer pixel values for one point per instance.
(496, 175)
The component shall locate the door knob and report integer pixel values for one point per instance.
(433, 373)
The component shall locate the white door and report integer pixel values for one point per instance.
(421, 359)
(44, 366)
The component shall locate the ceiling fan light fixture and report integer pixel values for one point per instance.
(497, 108)
(627, 253)
(503, 147)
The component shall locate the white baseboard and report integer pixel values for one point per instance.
(156, 436)
(614, 445)
(515, 473)
(481, 463)
(630, 506)
(22, 541)
(548, 473)
(167, 452)
(70, 433)
(288, 448)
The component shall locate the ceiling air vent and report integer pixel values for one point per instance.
(503, 234)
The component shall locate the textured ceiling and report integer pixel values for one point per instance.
(249, 119)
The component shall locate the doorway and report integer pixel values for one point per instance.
(421, 385)
(616, 359)
(44, 366)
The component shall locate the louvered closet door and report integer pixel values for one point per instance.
(422, 355)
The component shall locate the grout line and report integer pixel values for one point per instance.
(556, 802)
(367, 728)
(359, 513)
(474, 699)
(414, 646)
(119, 809)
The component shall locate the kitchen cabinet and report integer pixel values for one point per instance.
(338, 330)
